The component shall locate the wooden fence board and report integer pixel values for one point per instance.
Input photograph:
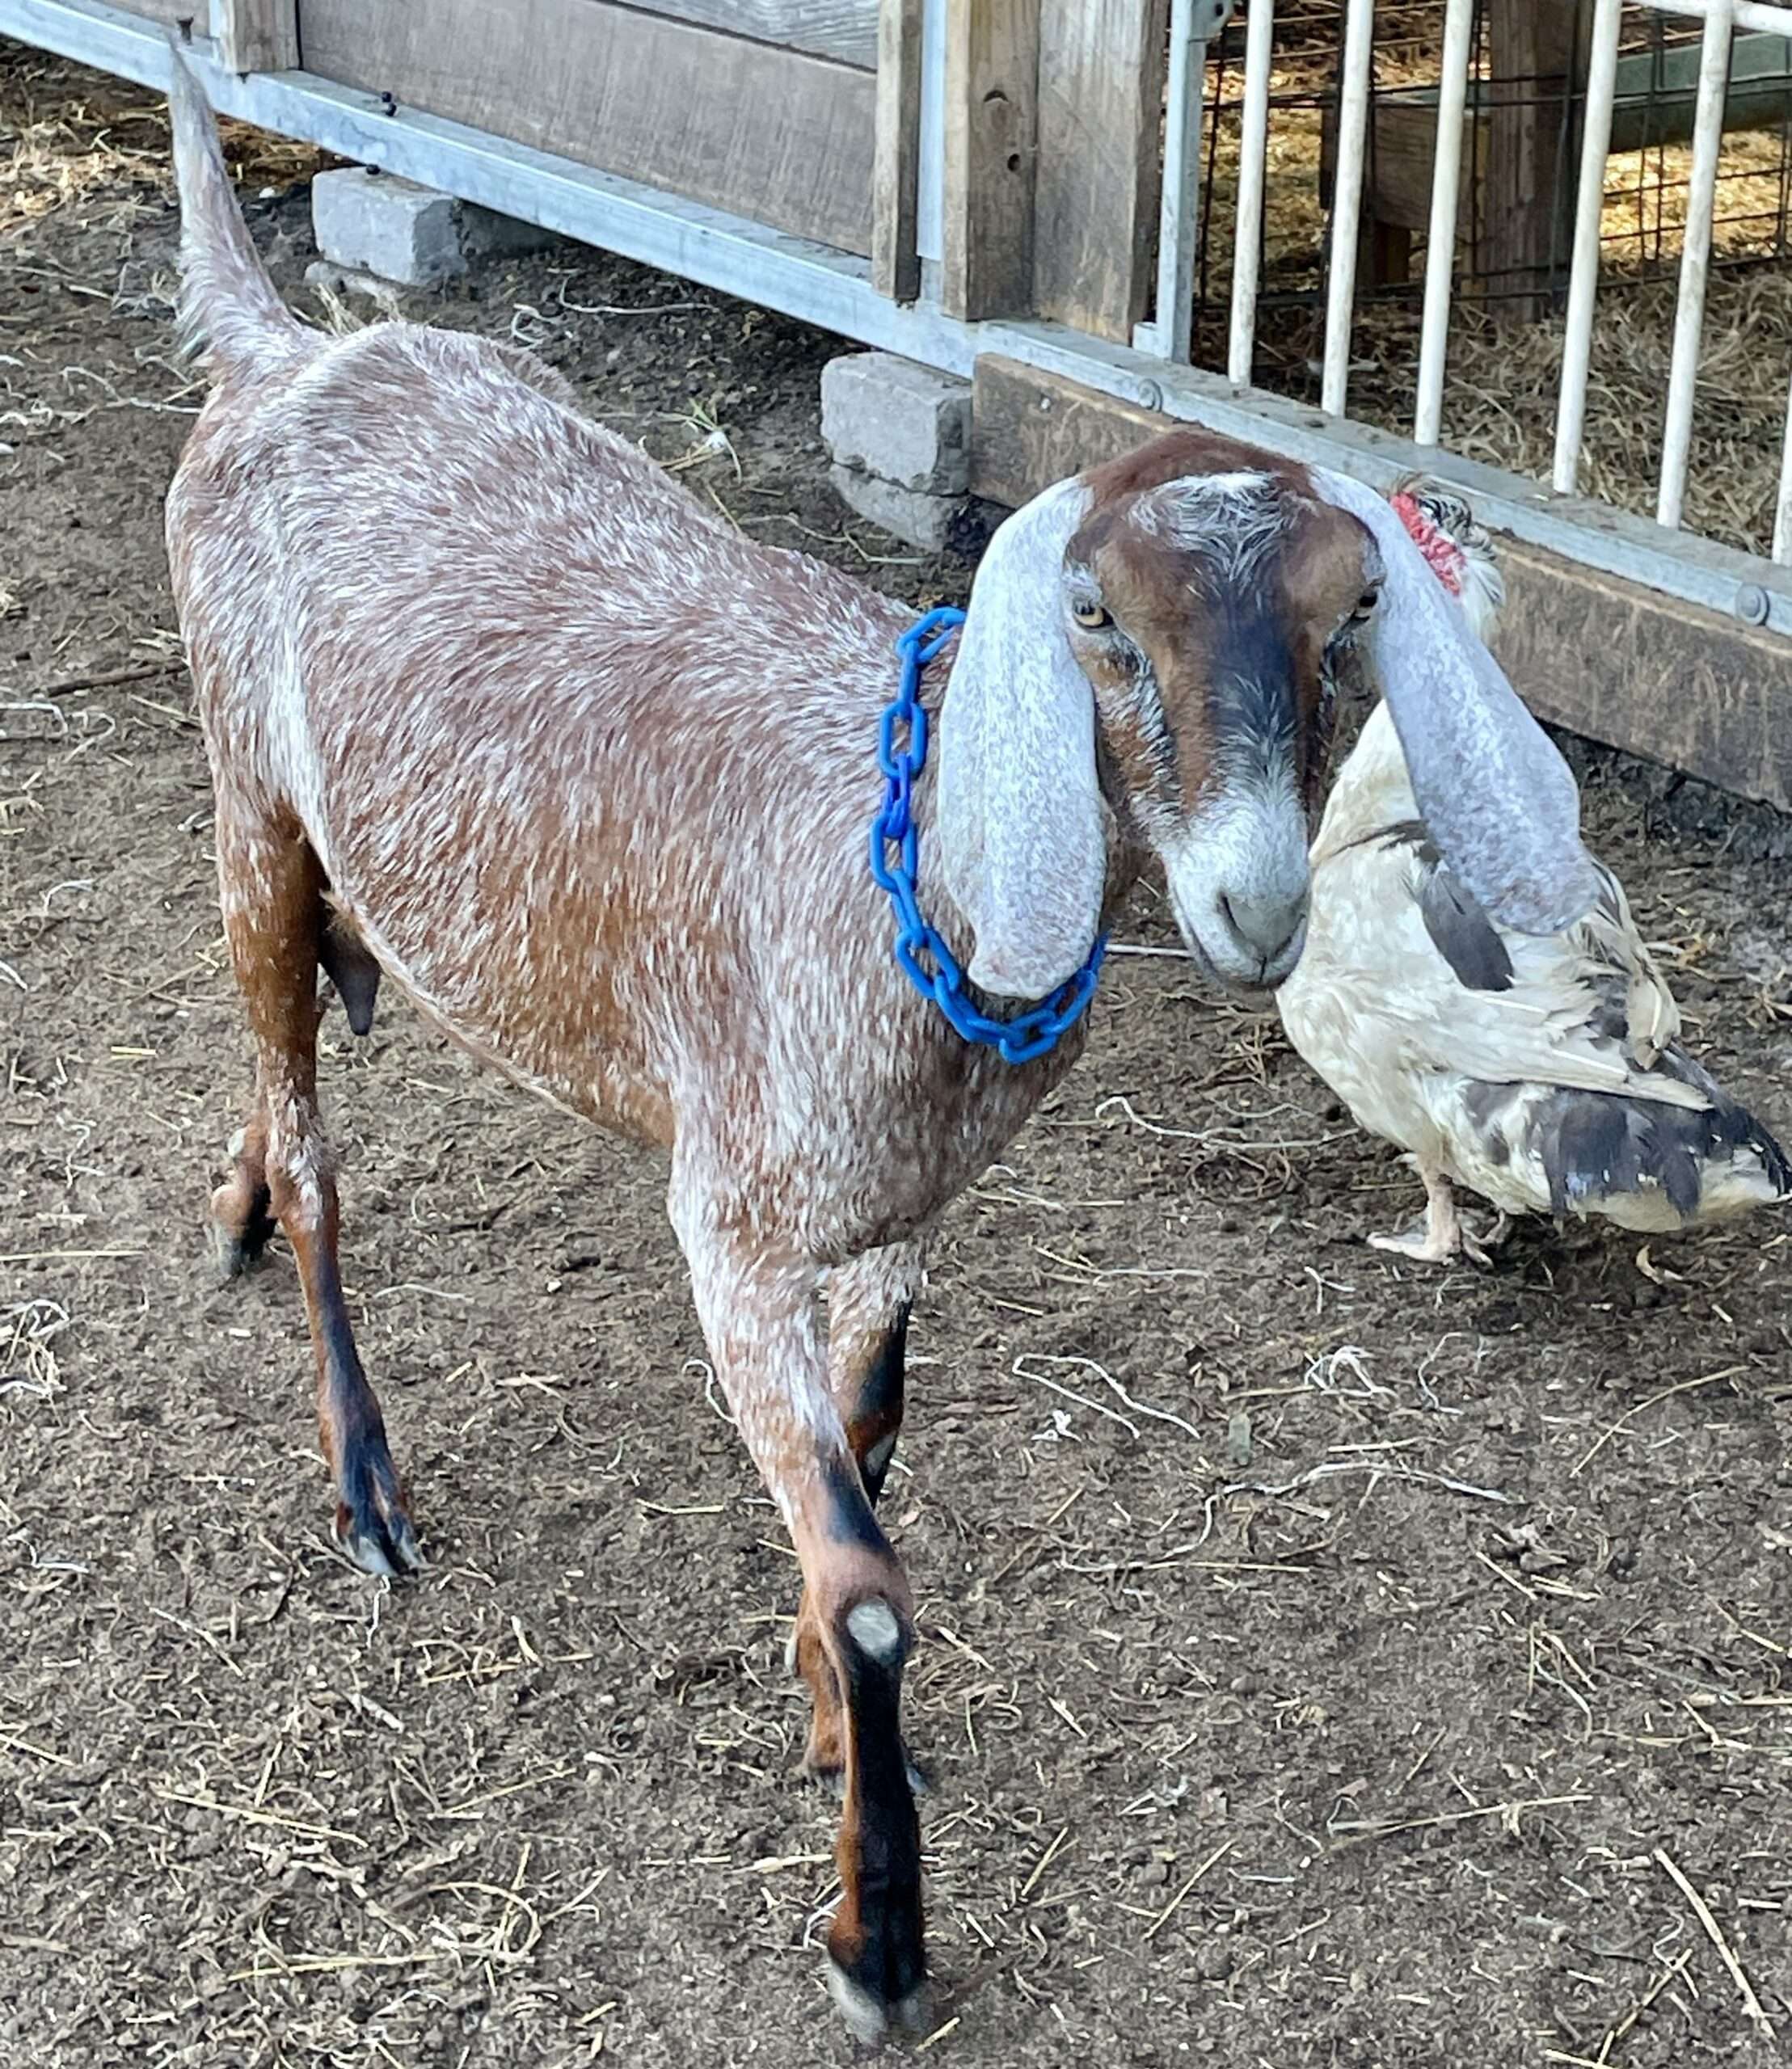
(776, 135)
(1101, 84)
(842, 29)
(896, 182)
(1604, 658)
(990, 150)
(256, 35)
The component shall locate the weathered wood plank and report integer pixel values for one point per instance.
(1029, 429)
(990, 149)
(775, 135)
(173, 12)
(842, 29)
(1101, 84)
(1539, 55)
(1602, 657)
(1668, 680)
(256, 35)
(896, 173)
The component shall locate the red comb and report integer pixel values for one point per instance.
(1446, 557)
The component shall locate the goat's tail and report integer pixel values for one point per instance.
(231, 316)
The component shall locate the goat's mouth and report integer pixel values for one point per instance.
(1233, 965)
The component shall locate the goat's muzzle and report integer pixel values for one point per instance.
(1238, 880)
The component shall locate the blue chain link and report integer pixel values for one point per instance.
(928, 961)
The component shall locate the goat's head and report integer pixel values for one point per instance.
(1164, 635)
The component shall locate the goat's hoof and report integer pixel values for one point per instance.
(372, 1527)
(869, 2017)
(239, 1232)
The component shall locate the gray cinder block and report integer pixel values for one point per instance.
(908, 513)
(372, 222)
(906, 424)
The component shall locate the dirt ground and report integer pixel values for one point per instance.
(1325, 1662)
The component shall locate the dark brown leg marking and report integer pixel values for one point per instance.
(869, 1390)
(273, 895)
(371, 1524)
(876, 1943)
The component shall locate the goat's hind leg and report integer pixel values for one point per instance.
(271, 887)
(241, 1207)
(760, 1316)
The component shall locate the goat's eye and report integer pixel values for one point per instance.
(1365, 605)
(1092, 617)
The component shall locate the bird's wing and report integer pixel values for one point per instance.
(1425, 968)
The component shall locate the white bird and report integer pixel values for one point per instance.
(1544, 1072)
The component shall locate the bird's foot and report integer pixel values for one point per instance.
(1477, 1248)
(1426, 1245)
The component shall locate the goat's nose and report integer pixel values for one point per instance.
(1269, 928)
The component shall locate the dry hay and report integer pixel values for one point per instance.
(104, 155)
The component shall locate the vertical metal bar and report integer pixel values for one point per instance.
(1782, 512)
(1178, 219)
(1346, 204)
(1695, 262)
(1440, 246)
(931, 147)
(1577, 342)
(1247, 241)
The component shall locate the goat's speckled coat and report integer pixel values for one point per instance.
(496, 710)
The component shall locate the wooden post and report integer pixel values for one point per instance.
(991, 76)
(1101, 98)
(256, 35)
(1537, 54)
(896, 170)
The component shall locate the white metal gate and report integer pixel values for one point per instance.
(1193, 23)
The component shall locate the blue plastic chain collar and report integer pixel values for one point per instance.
(896, 859)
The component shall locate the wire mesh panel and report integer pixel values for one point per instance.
(1494, 372)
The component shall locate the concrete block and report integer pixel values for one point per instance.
(370, 222)
(366, 221)
(906, 424)
(910, 514)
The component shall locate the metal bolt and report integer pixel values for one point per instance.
(1753, 604)
(1151, 394)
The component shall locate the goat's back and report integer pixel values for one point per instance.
(570, 749)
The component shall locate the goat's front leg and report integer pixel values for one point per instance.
(761, 1319)
(868, 1304)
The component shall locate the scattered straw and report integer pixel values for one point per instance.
(1360, 1831)
(1181, 1897)
(1666, 1393)
(1751, 2003)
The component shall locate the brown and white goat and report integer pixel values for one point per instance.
(496, 712)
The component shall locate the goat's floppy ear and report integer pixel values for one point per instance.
(1499, 801)
(1019, 825)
